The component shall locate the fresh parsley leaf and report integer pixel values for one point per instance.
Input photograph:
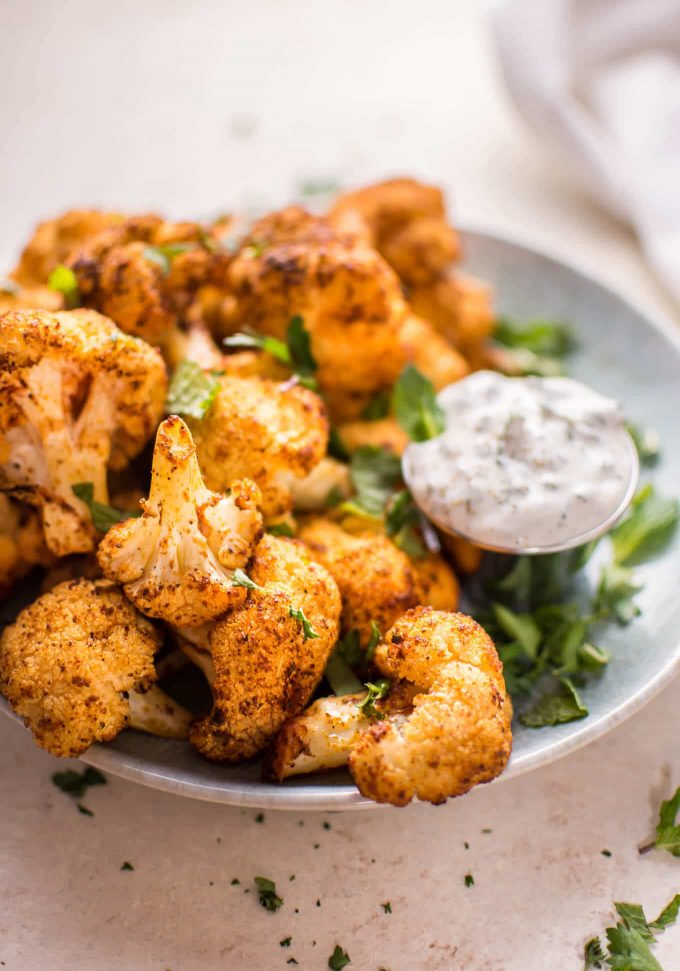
(76, 784)
(376, 691)
(646, 530)
(668, 828)
(378, 407)
(127, 866)
(375, 474)
(63, 280)
(264, 342)
(281, 529)
(469, 880)
(647, 443)
(84, 810)
(103, 516)
(266, 890)
(415, 405)
(286, 942)
(192, 390)
(373, 641)
(562, 706)
(615, 592)
(387, 907)
(668, 915)
(241, 579)
(402, 519)
(520, 627)
(334, 497)
(298, 614)
(299, 343)
(340, 676)
(162, 256)
(593, 954)
(633, 917)
(339, 959)
(545, 337)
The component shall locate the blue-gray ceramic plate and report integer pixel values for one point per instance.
(621, 353)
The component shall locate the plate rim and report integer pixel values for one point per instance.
(345, 796)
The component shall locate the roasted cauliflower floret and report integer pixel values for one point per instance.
(329, 477)
(269, 654)
(293, 263)
(22, 543)
(432, 353)
(375, 578)
(177, 561)
(77, 396)
(35, 298)
(459, 307)
(145, 273)
(383, 433)
(444, 726)
(54, 239)
(75, 663)
(436, 583)
(269, 432)
(406, 221)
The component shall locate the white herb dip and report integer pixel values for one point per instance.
(524, 463)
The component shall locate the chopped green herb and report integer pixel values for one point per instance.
(286, 942)
(522, 628)
(326, 824)
(606, 852)
(84, 810)
(378, 407)
(264, 342)
(376, 691)
(373, 641)
(192, 390)
(235, 881)
(339, 959)
(534, 346)
(291, 961)
(268, 897)
(646, 529)
(334, 497)
(466, 845)
(647, 443)
(281, 529)
(240, 579)
(615, 592)
(76, 784)
(564, 705)
(103, 516)
(298, 614)
(387, 907)
(259, 818)
(316, 187)
(375, 474)
(162, 256)
(469, 880)
(127, 866)
(402, 519)
(629, 942)
(415, 405)
(668, 828)
(300, 345)
(346, 655)
(668, 915)
(63, 280)
(593, 954)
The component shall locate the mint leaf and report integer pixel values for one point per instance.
(264, 342)
(646, 530)
(192, 390)
(299, 343)
(415, 405)
(615, 592)
(378, 407)
(520, 627)
(647, 443)
(668, 829)
(668, 915)
(162, 256)
(339, 959)
(375, 474)
(562, 706)
(103, 516)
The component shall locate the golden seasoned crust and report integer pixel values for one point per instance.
(54, 239)
(177, 561)
(432, 353)
(405, 220)
(459, 307)
(265, 667)
(259, 429)
(383, 433)
(293, 263)
(146, 273)
(458, 733)
(77, 396)
(34, 298)
(22, 543)
(436, 583)
(375, 579)
(69, 661)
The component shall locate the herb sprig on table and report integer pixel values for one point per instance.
(630, 941)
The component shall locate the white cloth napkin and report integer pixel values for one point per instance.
(600, 81)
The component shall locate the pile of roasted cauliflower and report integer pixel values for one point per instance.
(199, 446)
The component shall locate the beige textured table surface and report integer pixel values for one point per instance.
(190, 107)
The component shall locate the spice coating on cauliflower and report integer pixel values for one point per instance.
(77, 396)
(268, 432)
(267, 660)
(22, 543)
(292, 263)
(177, 561)
(70, 660)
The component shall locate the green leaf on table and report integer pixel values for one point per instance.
(339, 959)
(415, 405)
(668, 828)
(266, 891)
(76, 784)
(668, 915)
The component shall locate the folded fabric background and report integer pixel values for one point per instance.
(599, 81)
